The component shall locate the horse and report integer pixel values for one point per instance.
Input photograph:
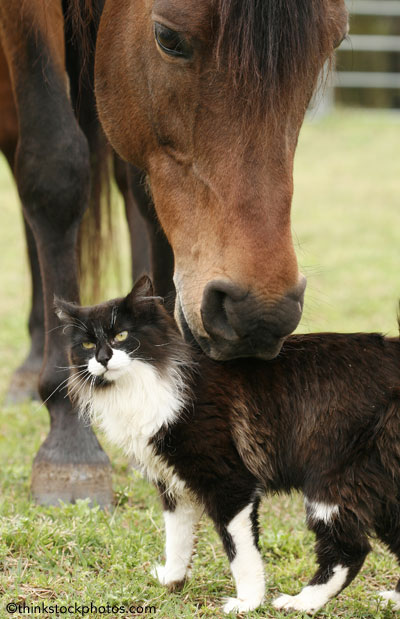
(207, 98)
(24, 382)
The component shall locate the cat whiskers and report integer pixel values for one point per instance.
(80, 326)
(140, 358)
(77, 384)
(85, 409)
(76, 322)
(137, 347)
(132, 352)
(62, 385)
(77, 378)
(57, 327)
(71, 367)
(114, 313)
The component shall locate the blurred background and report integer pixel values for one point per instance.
(347, 179)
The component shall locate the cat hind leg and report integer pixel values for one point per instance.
(341, 549)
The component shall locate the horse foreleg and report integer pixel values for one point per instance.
(52, 172)
(139, 238)
(25, 380)
(162, 257)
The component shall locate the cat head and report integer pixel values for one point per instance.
(105, 341)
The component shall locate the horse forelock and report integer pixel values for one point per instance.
(273, 47)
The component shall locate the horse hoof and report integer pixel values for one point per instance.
(23, 387)
(71, 465)
(55, 482)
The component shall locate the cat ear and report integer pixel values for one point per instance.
(142, 289)
(65, 311)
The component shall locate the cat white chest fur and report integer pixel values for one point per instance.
(133, 408)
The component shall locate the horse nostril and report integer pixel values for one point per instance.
(214, 310)
(240, 324)
(297, 293)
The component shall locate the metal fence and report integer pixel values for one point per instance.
(364, 43)
(371, 43)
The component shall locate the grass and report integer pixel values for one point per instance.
(346, 220)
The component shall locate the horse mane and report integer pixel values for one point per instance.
(273, 47)
(82, 18)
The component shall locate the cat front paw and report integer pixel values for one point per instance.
(391, 596)
(301, 602)
(158, 572)
(236, 605)
(171, 579)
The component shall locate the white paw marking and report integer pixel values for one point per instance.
(235, 605)
(179, 529)
(295, 602)
(166, 577)
(247, 567)
(321, 511)
(391, 596)
(158, 572)
(312, 598)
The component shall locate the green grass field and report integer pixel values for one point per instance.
(346, 221)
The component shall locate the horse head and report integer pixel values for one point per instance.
(208, 98)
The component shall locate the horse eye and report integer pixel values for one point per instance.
(339, 42)
(171, 42)
(121, 337)
(343, 35)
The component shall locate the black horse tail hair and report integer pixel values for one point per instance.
(81, 22)
(398, 316)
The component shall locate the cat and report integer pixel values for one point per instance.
(323, 417)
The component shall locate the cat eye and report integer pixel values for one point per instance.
(121, 337)
(172, 42)
(88, 345)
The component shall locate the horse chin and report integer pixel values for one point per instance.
(224, 351)
(267, 347)
(183, 325)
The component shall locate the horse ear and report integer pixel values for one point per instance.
(142, 289)
(65, 311)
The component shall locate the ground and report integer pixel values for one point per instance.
(346, 222)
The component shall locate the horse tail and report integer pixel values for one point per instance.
(81, 20)
(398, 317)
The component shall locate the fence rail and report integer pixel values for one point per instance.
(366, 79)
(384, 8)
(321, 105)
(370, 43)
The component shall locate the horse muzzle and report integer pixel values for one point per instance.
(240, 324)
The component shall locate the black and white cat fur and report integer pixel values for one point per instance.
(323, 417)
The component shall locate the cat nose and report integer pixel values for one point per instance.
(104, 355)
